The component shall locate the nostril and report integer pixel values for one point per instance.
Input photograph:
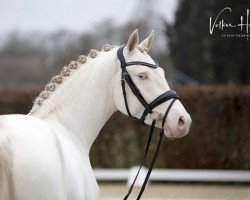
(181, 123)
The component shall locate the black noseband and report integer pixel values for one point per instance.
(171, 94)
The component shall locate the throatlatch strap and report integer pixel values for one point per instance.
(142, 159)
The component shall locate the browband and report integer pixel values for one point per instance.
(125, 64)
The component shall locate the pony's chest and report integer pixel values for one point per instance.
(78, 175)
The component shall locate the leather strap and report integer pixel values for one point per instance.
(125, 98)
(142, 63)
(171, 94)
(166, 113)
(145, 154)
(136, 91)
(126, 77)
(125, 64)
(130, 82)
(156, 151)
(142, 159)
(151, 165)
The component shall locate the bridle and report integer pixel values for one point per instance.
(171, 94)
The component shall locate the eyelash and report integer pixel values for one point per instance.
(143, 77)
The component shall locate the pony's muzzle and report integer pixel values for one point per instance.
(177, 123)
(178, 126)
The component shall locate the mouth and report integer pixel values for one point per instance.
(175, 127)
(168, 132)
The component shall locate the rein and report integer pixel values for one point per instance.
(171, 94)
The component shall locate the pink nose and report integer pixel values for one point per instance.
(183, 123)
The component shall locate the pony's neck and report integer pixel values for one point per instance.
(83, 104)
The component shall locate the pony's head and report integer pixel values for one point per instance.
(150, 81)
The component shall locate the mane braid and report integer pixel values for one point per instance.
(57, 80)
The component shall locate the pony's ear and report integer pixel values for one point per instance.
(133, 40)
(145, 44)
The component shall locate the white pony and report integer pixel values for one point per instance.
(45, 155)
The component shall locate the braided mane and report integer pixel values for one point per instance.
(58, 80)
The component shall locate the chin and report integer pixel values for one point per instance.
(175, 134)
